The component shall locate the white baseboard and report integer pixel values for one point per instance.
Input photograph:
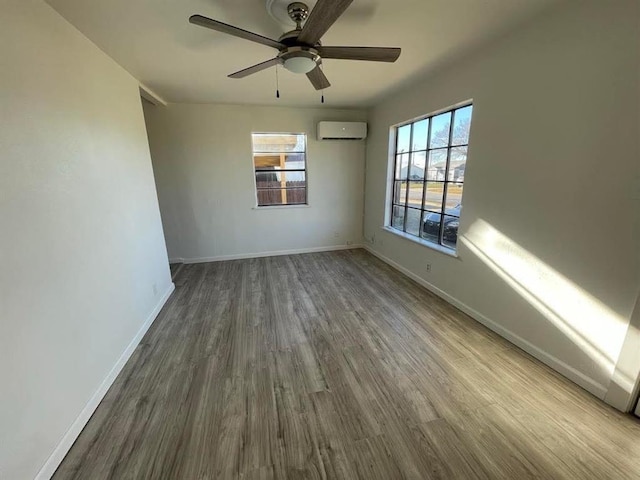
(52, 463)
(243, 256)
(558, 365)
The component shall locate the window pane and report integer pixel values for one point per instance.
(413, 221)
(420, 132)
(278, 179)
(296, 195)
(437, 164)
(434, 196)
(265, 161)
(400, 193)
(294, 179)
(280, 161)
(418, 161)
(431, 226)
(404, 137)
(440, 126)
(294, 161)
(457, 164)
(272, 142)
(461, 125)
(397, 218)
(450, 233)
(402, 166)
(282, 196)
(454, 199)
(270, 197)
(415, 194)
(268, 179)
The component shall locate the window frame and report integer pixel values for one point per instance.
(394, 182)
(257, 170)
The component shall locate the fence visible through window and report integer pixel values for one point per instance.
(280, 168)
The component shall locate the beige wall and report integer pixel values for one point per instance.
(548, 255)
(83, 260)
(204, 172)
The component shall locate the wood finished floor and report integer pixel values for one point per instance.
(175, 269)
(335, 366)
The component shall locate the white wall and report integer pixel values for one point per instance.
(548, 255)
(81, 244)
(204, 173)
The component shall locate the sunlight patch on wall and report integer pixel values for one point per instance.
(586, 321)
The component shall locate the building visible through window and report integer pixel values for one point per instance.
(280, 165)
(429, 167)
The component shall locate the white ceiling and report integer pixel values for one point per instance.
(181, 62)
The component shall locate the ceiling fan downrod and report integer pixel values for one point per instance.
(298, 12)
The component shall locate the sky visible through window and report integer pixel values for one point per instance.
(440, 132)
(430, 164)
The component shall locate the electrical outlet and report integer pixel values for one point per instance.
(336, 234)
(428, 267)
(349, 242)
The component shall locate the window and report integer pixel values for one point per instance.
(428, 179)
(280, 164)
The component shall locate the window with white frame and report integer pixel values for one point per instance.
(280, 164)
(428, 176)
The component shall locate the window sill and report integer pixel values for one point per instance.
(280, 207)
(419, 241)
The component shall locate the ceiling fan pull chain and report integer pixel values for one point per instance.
(277, 84)
(321, 67)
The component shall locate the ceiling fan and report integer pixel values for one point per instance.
(300, 50)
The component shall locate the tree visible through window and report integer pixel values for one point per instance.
(429, 166)
(280, 164)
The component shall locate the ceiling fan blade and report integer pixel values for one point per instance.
(318, 79)
(256, 68)
(323, 15)
(231, 30)
(373, 54)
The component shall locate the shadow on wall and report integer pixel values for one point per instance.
(597, 330)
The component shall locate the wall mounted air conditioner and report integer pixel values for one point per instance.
(342, 130)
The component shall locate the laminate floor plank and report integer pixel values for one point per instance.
(335, 366)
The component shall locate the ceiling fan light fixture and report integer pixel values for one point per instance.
(297, 60)
(299, 64)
